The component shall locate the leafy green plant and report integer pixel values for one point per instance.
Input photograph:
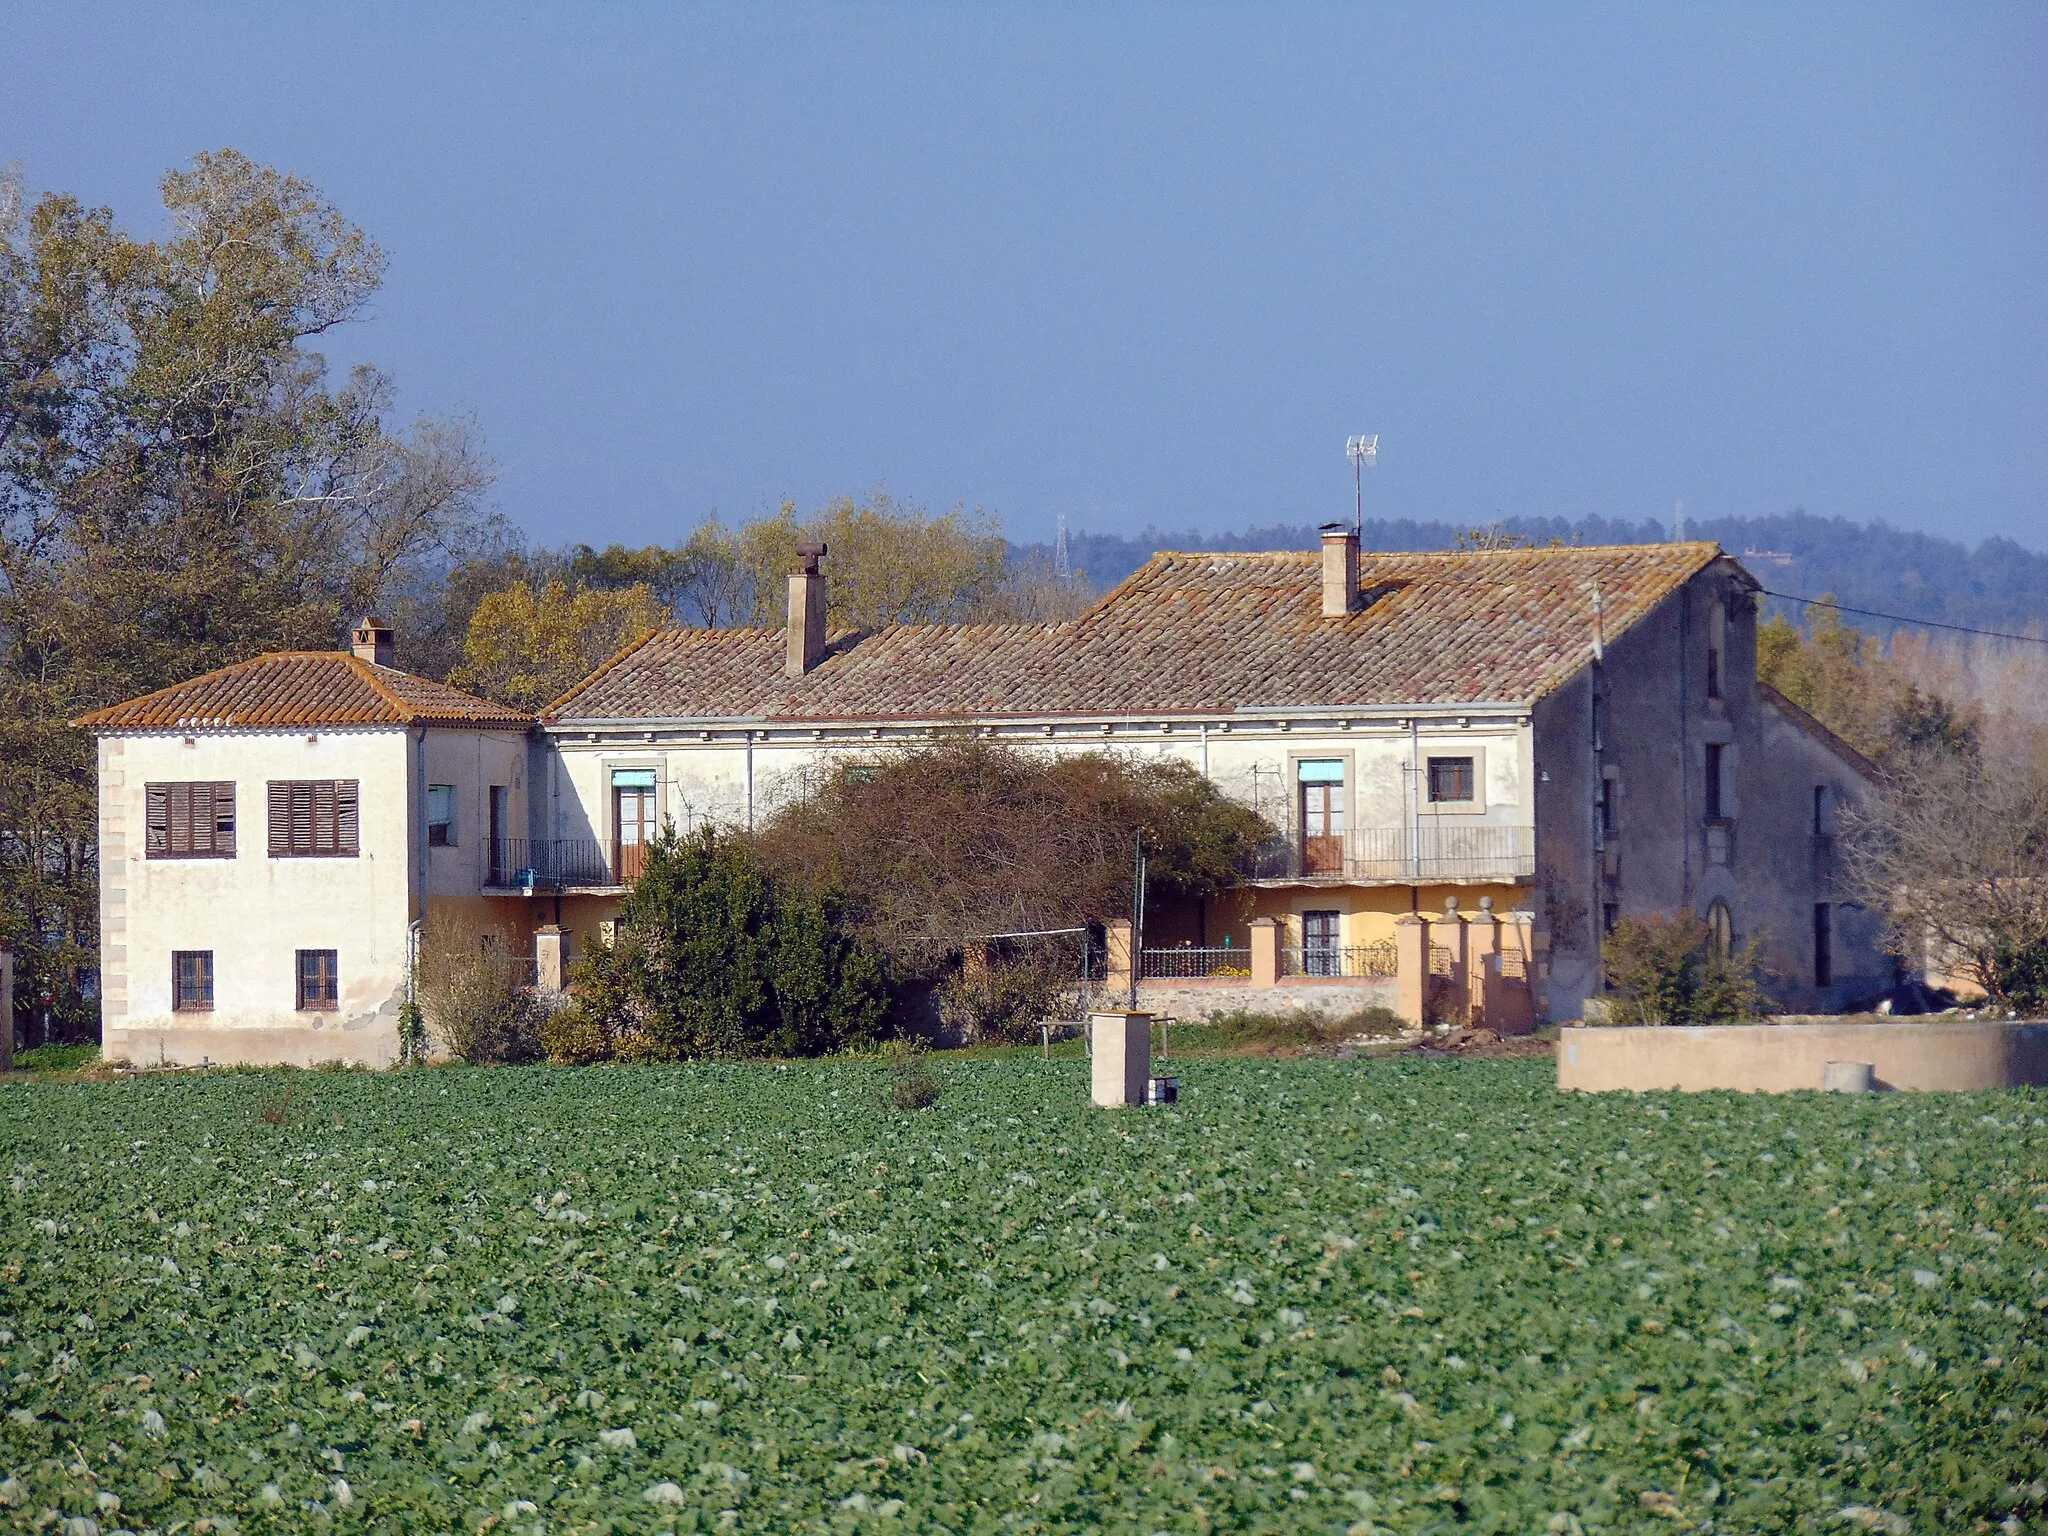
(715, 958)
(56, 1058)
(1666, 970)
(1427, 1295)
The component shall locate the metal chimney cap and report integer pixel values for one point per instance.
(810, 552)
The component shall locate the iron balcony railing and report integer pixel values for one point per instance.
(526, 863)
(1401, 854)
(1190, 964)
(1373, 962)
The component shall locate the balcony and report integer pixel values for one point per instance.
(550, 863)
(1400, 856)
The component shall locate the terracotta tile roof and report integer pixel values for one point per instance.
(300, 688)
(1186, 633)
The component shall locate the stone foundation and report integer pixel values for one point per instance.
(1197, 1000)
(375, 1045)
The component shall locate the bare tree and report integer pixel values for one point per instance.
(1953, 848)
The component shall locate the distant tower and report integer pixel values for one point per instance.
(1678, 523)
(1060, 567)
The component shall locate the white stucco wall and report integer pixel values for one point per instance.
(254, 912)
(729, 781)
(472, 762)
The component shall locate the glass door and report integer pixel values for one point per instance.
(632, 824)
(1322, 819)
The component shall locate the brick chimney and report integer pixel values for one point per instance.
(806, 612)
(373, 641)
(1340, 570)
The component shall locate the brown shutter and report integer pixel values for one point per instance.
(345, 817)
(323, 816)
(280, 819)
(302, 818)
(224, 819)
(181, 818)
(157, 840)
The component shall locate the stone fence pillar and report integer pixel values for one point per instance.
(1265, 952)
(1483, 997)
(551, 958)
(1120, 959)
(1411, 969)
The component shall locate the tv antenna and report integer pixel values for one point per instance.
(1363, 452)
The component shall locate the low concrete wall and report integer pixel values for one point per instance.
(284, 1046)
(1952, 1055)
(1203, 999)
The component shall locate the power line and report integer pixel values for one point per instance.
(1900, 618)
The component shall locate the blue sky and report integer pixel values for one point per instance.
(1148, 264)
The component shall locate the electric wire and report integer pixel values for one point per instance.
(1900, 618)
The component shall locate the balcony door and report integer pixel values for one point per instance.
(1322, 818)
(499, 803)
(632, 823)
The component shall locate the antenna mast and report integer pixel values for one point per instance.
(1363, 451)
(1059, 549)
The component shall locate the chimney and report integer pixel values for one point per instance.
(372, 640)
(806, 612)
(1340, 570)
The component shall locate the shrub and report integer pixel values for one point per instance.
(715, 958)
(1001, 999)
(911, 1084)
(1306, 1027)
(472, 999)
(1666, 970)
(56, 1058)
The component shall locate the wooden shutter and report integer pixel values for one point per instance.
(280, 819)
(157, 841)
(346, 819)
(181, 818)
(224, 819)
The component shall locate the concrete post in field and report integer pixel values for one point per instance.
(1118, 958)
(1265, 952)
(1122, 1062)
(1482, 973)
(6, 1011)
(551, 958)
(1411, 969)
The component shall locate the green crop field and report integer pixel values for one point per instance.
(1328, 1296)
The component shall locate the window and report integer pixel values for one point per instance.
(440, 815)
(312, 818)
(1610, 914)
(1820, 810)
(1823, 944)
(1606, 808)
(1721, 930)
(1321, 954)
(1717, 640)
(319, 988)
(192, 980)
(1713, 672)
(191, 821)
(1715, 752)
(1452, 780)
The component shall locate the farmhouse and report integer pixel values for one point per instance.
(1476, 760)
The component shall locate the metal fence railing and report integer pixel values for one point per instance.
(1371, 962)
(528, 862)
(1434, 851)
(1189, 964)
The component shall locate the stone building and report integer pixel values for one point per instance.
(1475, 760)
